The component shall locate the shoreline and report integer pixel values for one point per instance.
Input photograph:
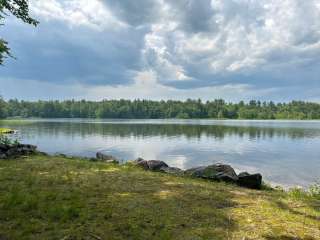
(227, 174)
(216, 172)
(156, 119)
(71, 198)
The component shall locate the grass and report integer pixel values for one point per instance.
(59, 198)
(5, 130)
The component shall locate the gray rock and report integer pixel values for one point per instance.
(4, 147)
(138, 160)
(153, 165)
(12, 151)
(156, 165)
(196, 171)
(106, 158)
(27, 148)
(253, 181)
(143, 164)
(220, 172)
(172, 170)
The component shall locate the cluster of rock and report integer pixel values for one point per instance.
(15, 150)
(217, 172)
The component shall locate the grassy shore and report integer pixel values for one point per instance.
(60, 198)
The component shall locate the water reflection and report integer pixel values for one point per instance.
(165, 130)
(286, 153)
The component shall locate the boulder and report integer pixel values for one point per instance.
(172, 170)
(27, 147)
(196, 171)
(153, 165)
(156, 165)
(253, 181)
(139, 159)
(11, 151)
(106, 158)
(4, 147)
(143, 164)
(220, 172)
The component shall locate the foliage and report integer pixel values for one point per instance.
(3, 106)
(45, 197)
(315, 190)
(8, 141)
(217, 109)
(299, 193)
(19, 9)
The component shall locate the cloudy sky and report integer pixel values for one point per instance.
(165, 49)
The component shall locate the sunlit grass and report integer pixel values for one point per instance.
(58, 198)
(5, 130)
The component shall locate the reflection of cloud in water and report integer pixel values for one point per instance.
(286, 155)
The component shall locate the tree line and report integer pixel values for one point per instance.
(216, 109)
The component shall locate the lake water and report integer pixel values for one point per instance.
(286, 153)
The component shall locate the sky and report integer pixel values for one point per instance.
(165, 49)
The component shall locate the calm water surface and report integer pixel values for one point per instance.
(287, 153)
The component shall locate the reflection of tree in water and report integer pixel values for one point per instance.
(165, 130)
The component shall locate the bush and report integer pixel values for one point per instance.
(8, 141)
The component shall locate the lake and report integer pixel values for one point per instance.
(286, 153)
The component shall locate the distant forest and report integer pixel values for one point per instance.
(217, 109)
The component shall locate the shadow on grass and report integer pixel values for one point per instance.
(59, 200)
(295, 210)
(286, 237)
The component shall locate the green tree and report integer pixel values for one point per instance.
(19, 9)
(3, 108)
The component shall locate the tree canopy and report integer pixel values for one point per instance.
(216, 109)
(19, 9)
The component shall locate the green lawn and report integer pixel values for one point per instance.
(59, 198)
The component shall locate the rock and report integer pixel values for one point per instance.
(27, 147)
(106, 158)
(195, 172)
(156, 165)
(253, 181)
(172, 170)
(11, 151)
(143, 164)
(153, 165)
(138, 160)
(4, 147)
(220, 172)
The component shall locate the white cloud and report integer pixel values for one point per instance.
(146, 86)
(240, 37)
(235, 49)
(90, 13)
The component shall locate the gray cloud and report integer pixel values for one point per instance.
(135, 13)
(185, 44)
(56, 53)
